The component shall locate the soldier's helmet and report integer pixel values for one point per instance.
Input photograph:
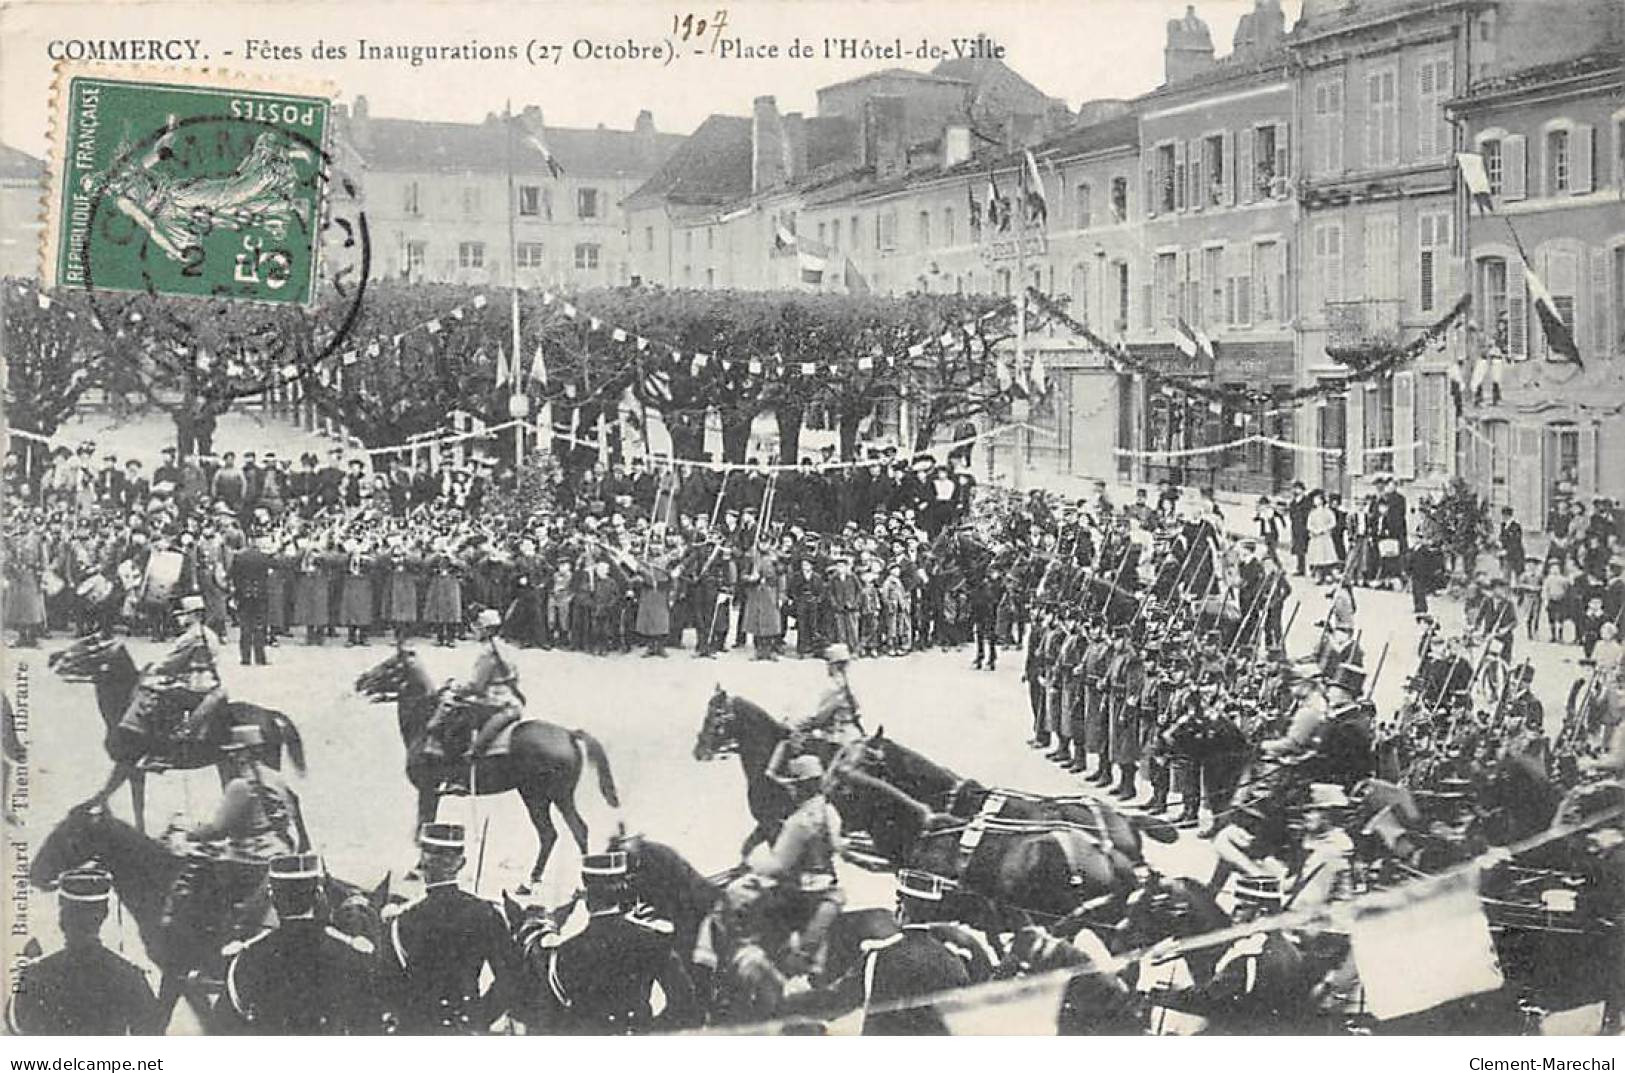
(295, 880)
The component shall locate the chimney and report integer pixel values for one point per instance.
(1189, 50)
(1260, 30)
(955, 146)
(532, 117)
(645, 123)
(795, 145)
(883, 147)
(766, 146)
(360, 124)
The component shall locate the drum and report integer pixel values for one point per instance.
(95, 588)
(52, 583)
(163, 576)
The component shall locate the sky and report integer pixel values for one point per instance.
(1073, 49)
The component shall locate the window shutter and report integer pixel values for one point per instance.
(1517, 312)
(1283, 154)
(1246, 174)
(1180, 178)
(1514, 168)
(1334, 263)
(1229, 142)
(1586, 477)
(1198, 287)
(1426, 281)
(1426, 107)
(1354, 431)
(1580, 169)
(1524, 473)
(1150, 165)
(1404, 425)
(1599, 302)
(1286, 285)
(1194, 174)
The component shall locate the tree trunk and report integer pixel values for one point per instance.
(925, 428)
(789, 416)
(850, 421)
(736, 426)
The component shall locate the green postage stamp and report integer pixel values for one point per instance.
(192, 184)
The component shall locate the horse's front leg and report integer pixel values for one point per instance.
(428, 805)
(116, 778)
(170, 989)
(138, 798)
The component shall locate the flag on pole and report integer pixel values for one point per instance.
(1557, 332)
(1191, 341)
(502, 366)
(1033, 192)
(855, 283)
(533, 139)
(1477, 179)
(784, 240)
(1036, 375)
(975, 209)
(997, 215)
(538, 368)
(812, 267)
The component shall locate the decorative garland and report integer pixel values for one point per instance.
(1122, 358)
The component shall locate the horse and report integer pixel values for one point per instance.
(104, 662)
(938, 787)
(144, 871)
(733, 724)
(1049, 867)
(544, 761)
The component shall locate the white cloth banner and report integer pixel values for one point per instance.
(1424, 950)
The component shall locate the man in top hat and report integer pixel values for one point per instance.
(801, 860)
(304, 977)
(84, 989)
(257, 820)
(437, 946)
(602, 964)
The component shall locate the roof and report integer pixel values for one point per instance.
(421, 145)
(1316, 25)
(1226, 69)
(711, 167)
(1545, 74)
(18, 165)
(899, 73)
(1123, 131)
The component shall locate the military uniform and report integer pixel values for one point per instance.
(601, 970)
(434, 951)
(1127, 675)
(302, 978)
(84, 989)
(1097, 662)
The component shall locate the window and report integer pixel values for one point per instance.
(1328, 239)
(649, 239)
(471, 201)
(823, 233)
(1432, 90)
(711, 238)
(528, 255)
(1382, 256)
(1328, 126)
(1082, 207)
(1494, 167)
(1264, 144)
(1121, 268)
(886, 230)
(924, 229)
(1119, 200)
(1239, 299)
(1433, 258)
(471, 255)
(857, 235)
(587, 203)
(1379, 424)
(1165, 178)
(409, 198)
(1167, 293)
(948, 227)
(416, 254)
(688, 241)
(1080, 293)
(1004, 281)
(1562, 279)
(1558, 163)
(1381, 118)
(1213, 278)
(835, 234)
(1269, 277)
(1213, 168)
(710, 277)
(1617, 300)
(587, 255)
(530, 201)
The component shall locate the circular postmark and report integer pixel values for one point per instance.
(236, 238)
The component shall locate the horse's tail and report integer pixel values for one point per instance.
(290, 740)
(593, 750)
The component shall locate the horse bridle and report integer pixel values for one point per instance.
(721, 742)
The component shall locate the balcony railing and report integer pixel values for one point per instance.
(1362, 325)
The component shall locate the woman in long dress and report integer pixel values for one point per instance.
(1322, 548)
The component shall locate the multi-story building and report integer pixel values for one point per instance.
(1216, 251)
(439, 208)
(21, 176)
(1552, 138)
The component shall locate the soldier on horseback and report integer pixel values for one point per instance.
(258, 819)
(799, 868)
(837, 715)
(471, 717)
(180, 696)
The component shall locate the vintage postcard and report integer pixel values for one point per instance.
(799, 519)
